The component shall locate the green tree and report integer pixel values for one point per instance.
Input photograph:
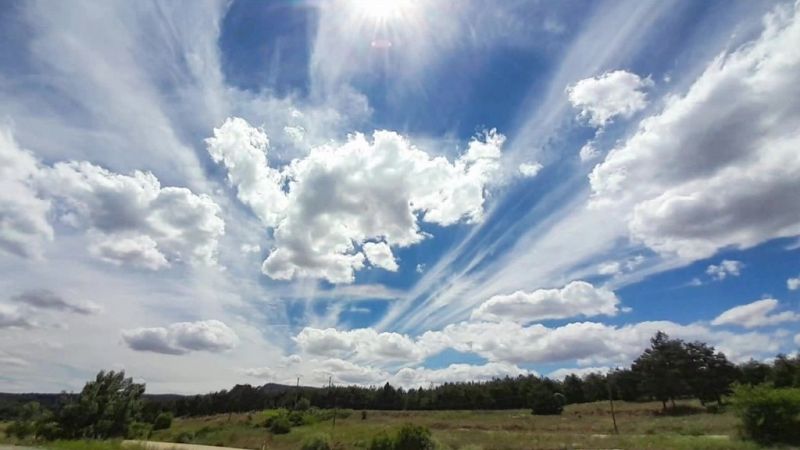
(709, 373)
(106, 407)
(573, 389)
(663, 368)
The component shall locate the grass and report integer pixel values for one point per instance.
(580, 426)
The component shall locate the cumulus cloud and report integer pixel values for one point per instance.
(363, 344)
(577, 298)
(588, 152)
(600, 99)
(725, 268)
(756, 314)
(530, 170)
(24, 228)
(424, 377)
(182, 337)
(793, 284)
(47, 299)
(718, 166)
(324, 206)
(132, 219)
(379, 254)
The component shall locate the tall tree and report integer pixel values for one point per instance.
(663, 368)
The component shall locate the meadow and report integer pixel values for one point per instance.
(641, 426)
(581, 426)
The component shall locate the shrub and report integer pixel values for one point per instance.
(414, 437)
(163, 421)
(139, 430)
(296, 418)
(302, 405)
(318, 442)
(544, 402)
(382, 441)
(768, 414)
(363, 415)
(280, 425)
(185, 438)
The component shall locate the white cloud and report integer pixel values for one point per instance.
(24, 228)
(365, 344)
(530, 170)
(346, 372)
(793, 284)
(602, 98)
(577, 298)
(266, 373)
(719, 165)
(797, 339)
(424, 377)
(132, 219)
(13, 317)
(588, 152)
(560, 374)
(755, 314)
(724, 269)
(337, 197)
(182, 337)
(380, 255)
(46, 299)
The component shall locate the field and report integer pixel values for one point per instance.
(580, 426)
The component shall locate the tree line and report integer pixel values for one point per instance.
(112, 405)
(668, 370)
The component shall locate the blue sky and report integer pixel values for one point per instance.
(413, 191)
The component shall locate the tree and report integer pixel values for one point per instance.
(663, 368)
(105, 408)
(754, 372)
(545, 402)
(709, 373)
(573, 389)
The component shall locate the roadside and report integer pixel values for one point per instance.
(151, 445)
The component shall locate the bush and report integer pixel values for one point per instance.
(302, 405)
(545, 402)
(139, 430)
(318, 442)
(768, 414)
(414, 437)
(185, 438)
(280, 425)
(296, 418)
(382, 441)
(163, 421)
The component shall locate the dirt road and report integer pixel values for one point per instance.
(150, 445)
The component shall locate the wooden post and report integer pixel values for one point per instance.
(611, 400)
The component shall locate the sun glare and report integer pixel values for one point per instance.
(382, 10)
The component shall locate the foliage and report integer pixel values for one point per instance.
(139, 430)
(413, 437)
(280, 425)
(317, 442)
(303, 404)
(545, 402)
(768, 414)
(162, 421)
(382, 441)
(105, 408)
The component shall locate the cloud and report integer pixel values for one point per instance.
(718, 166)
(577, 298)
(12, 317)
(182, 337)
(613, 94)
(424, 377)
(530, 170)
(324, 206)
(347, 372)
(365, 344)
(380, 255)
(581, 372)
(797, 339)
(132, 219)
(261, 372)
(24, 228)
(755, 314)
(724, 269)
(793, 284)
(46, 299)
(588, 152)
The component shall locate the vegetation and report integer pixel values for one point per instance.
(768, 414)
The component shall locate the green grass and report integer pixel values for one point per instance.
(580, 426)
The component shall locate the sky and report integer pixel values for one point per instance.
(208, 193)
